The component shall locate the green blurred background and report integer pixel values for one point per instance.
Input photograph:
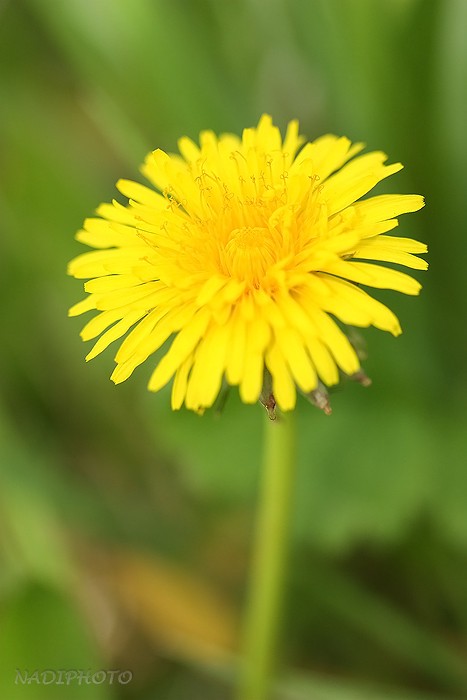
(125, 528)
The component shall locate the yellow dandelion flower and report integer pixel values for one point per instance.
(245, 255)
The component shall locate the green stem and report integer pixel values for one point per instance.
(269, 559)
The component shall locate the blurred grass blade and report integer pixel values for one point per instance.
(392, 630)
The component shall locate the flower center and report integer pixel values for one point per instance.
(249, 253)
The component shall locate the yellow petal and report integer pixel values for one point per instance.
(375, 276)
(210, 288)
(209, 366)
(292, 141)
(322, 360)
(406, 245)
(372, 252)
(301, 367)
(183, 345)
(102, 262)
(152, 342)
(188, 149)
(235, 359)
(116, 212)
(388, 206)
(354, 189)
(99, 323)
(327, 153)
(141, 193)
(114, 333)
(349, 299)
(295, 314)
(283, 386)
(337, 342)
(257, 339)
(98, 233)
(111, 283)
(252, 377)
(137, 295)
(82, 306)
(180, 383)
(141, 335)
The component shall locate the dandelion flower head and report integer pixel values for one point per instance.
(245, 256)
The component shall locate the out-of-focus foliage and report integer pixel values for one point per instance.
(105, 495)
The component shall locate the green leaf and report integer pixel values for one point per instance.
(365, 473)
(42, 631)
(219, 454)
